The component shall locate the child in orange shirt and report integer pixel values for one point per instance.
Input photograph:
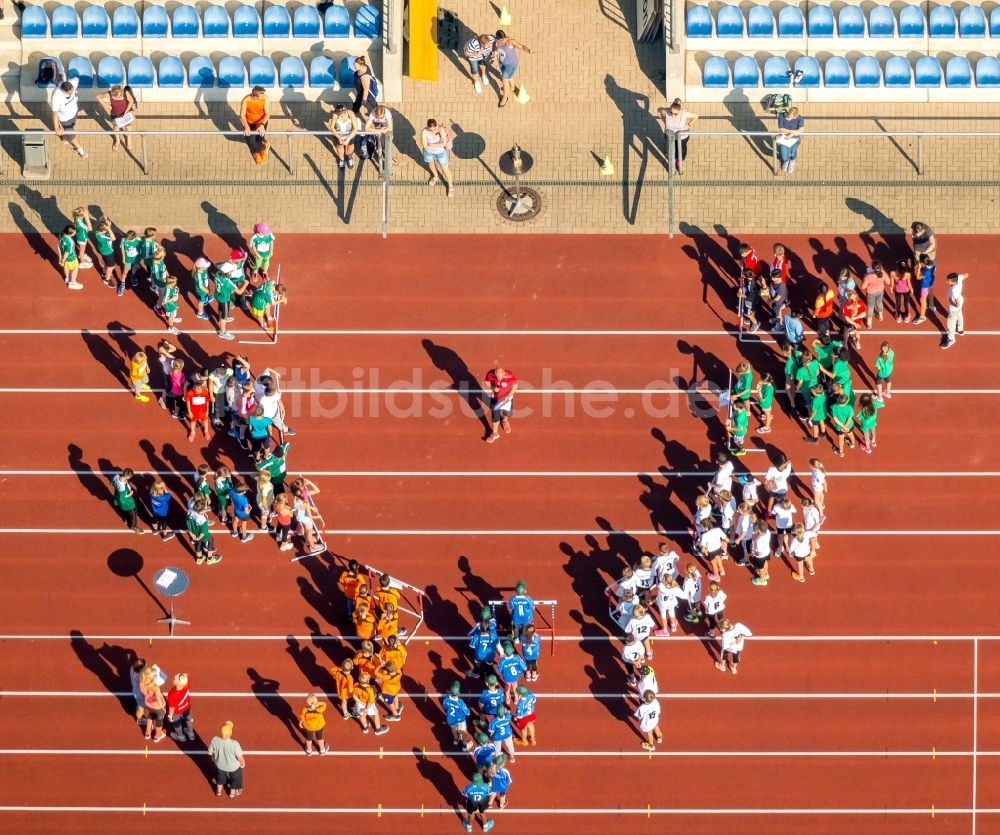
(349, 581)
(388, 624)
(367, 709)
(363, 595)
(364, 622)
(390, 681)
(344, 680)
(365, 660)
(312, 721)
(386, 593)
(394, 651)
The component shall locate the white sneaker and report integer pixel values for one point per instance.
(83, 154)
(86, 265)
(74, 285)
(478, 86)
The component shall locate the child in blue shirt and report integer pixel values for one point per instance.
(524, 716)
(484, 752)
(499, 780)
(511, 667)
(531, 646)
(501, 732)
(456, 712)
(522, 608)
(477, 800)
(159, 504)
(240, 498)
(491, 698)
(483, 642)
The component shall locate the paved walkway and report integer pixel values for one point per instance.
(593, 96)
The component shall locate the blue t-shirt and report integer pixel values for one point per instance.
(241, 373)
(484, 646)
(927, 275)
(241, 504)
(476, 792)
(501, 781)
(492, 625)
(259, 426)
(489, 701)
(793, 330)
(455, 709)
(511, 668)
(522, 607)
(483, 756)
(499, 727)
(160, 505)
(784, 123)
(525, 705)
(530, 649)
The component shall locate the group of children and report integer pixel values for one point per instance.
(242, 279)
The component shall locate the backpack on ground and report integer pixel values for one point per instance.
(48, 73)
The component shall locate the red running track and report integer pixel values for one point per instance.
(900, 725)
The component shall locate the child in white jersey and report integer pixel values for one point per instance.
(692, 593)
(817, 474)
(668, 595)
(801, 549)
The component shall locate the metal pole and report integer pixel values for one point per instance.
(920, 155)
(774, 156)
(670, 186)
(142, 146)
(291, 159)
(386, 176)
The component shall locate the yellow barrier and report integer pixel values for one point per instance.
(423, 39)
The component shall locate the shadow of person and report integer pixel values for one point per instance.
(880, 222)
(462, 380)
(305, 659)
(126, 562)
(472, 146)
(110, 664)
(266, 692)
(480, 590)
(195, 750)
(678, 457)
(404, 138)
(663, 514)
(640, 135)
(443, 617)
(458, 35)
(825, 261)
(606, 690)
(47, 208)
(223, 226)
(122, 335)
(744, 119)
(35, 239)
(107, 356)
(848, 258)
(719, 270)
(95, 483)
(438, 776)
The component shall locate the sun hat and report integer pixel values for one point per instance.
(262, 229)
(203, 263)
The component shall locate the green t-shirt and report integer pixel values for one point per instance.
(790, 365)
(124, 499)
(104, 244)
(262, 243)
(197, 525)
(263, 295)
(766, 395)
(158, 273)
(67, 246)
(883, 365)
(843, 413)
(202, 487)
(277, 467)
(147, 246)
(222, 487)
(804, 378)
(741, 420)
(841, 373)
(200, 282)
(81, 230)
(171, 296)
(867, 422)
(817, 407)
(224, 289)
(130, 250)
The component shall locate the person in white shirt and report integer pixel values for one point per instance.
(668, 595)
(647, 680)
(955, 324)
(811, 521)
(665, 562)
(726, 505)
(621, 612)
(784, 521)
(760, 552)
(776, 479)
(692, 593)
(632, 653)
(817, 475)
(648, 714)
(65, 108)
(723, 478)
(702, 518)
(751, 490)
(715, 606)
(641, 625)
(742, 532)
(802, 550)
(627, 582)
(645, 578)
(677, 124)
(712, 546)
(268, 397)
(733, 636)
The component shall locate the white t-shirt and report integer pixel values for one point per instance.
(750, 491)
(779, 477)
(783, 516)
(800, 548)
(712, 540)
(66, 105)
(677, 123)
(762, 545)
(632, 653)
(810, 518)
(625, 584)
(955, 298)
(642, 627)
(648, 683)
(715, 603)
(818, 481)
(667, 597)
(643, 578)
(692, 589)
(727, 512)
(648, 715)
(701, 516)
(732, 639)
(666, 564)
(723, 479)
(269, 403)
(743, 529)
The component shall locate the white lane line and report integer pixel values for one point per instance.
(423, 532)
(663, 642)
(522, 391)
(449, 332)
(706, 474)
(449, 811)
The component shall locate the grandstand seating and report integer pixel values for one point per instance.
(729, 22)
(94, 22)
(912, 23)
(851, 22)
(760, 22)
(368, 22)
(34, 23)
(746, 73)
(65, 22)
(262, 72)
(791, 23)
(291, 72)
(337, 22)
(837, 72)
(867, 72)
(82, 68)
(124, 23)
(184, 23)
(140, 72)
(928, 71)
(231, 72)
(988, 72)
(154, 22)
(215, 22)
(246, 22)
(170, 72)
(321, 71)
(898, 73)
(305, 22)
(716, 72)
(809, 67)
(277, 23)
(941, 22)
(110, 71)
(776, 71)
(881, 23)
(972, 22)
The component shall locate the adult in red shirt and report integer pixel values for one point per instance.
(502, 385)
(197, 399)
(179, 709)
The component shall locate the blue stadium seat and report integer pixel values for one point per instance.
(746, 73)
(898, 73)
(262, 71)
(170, 73)
(321, 72)
(809, 67)
(995, 23)
(760, 22)
(231, 72)
(928, 71)
(820, 22)
(728, 22)
(201, 72)
(881, 22)
(972, 23)
(345, 75)
(699, 22)
(911, 22)
(140, 72)
(851, 22)
(110, 71)
(34, 23)
(337, 22)
(957, 72)
(277, 24)
(81, 67)
(867, 72)
(154, 22)
(124, 23)
(292, 72)
(791, 24)
(836, 72)
(942, 22)
(776, 72)
(184, 23)
(215, 24)
(65, 23)
(715, 73)
(368, 22)
(94, 22)
(988, 72)
(246, 22)
(305, 22)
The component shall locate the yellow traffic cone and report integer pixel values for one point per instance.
(505, 19)
(522, 95)
(607, 169)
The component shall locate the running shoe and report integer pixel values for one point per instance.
(121, 290)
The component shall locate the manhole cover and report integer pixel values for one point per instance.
(519, 204)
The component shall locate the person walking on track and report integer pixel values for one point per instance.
(179, 709)
(733, 637)
(506, 50)
(502, 386)
(475, 802)
(312, 722)
(227, 756)
(648, 714)
(956, 305)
